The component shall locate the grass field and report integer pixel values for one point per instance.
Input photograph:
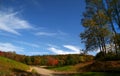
(70, 68)
(77, 70)
(97, 74)
(7, 66)
(63, 68)
(90, 74)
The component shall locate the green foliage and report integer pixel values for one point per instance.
(110, 56)
(82, 58)
(95, 22)
(28, 60)
(50, 60)
(100, 56)
(71, 59)
(99, 20)
(116, 39)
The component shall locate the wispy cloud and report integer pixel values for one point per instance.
(38, 53)
(11, 22)
(57, 33)
(9, 47)
(51, 45)
(45, 34)
(72, 50)
(57, 51)
(28, 44)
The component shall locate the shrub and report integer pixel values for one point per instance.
(99, 56)
(107, 57)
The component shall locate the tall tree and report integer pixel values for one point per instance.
(114, 6)
(113, 12)
(96, 29)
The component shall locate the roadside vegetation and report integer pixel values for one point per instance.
(10, 67)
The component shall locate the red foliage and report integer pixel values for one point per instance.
(1, 53)
(52, 61)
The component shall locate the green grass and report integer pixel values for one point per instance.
(63, 68)
(8, 66)
(68, 69)
(97, 74)
(91, 74)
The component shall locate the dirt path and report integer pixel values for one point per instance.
(45, 72)
(42, 71)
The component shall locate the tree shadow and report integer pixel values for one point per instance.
(18, 72)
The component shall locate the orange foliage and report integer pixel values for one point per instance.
(52, 61)
(1, 53)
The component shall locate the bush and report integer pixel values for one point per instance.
(100, 56)
(107, 57)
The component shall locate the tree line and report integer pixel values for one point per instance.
(48, 60)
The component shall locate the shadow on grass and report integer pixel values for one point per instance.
(99, 74)
(101, 66)
(19, 72)
(90, 74)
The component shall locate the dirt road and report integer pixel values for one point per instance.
(42, 71)
(45, 72)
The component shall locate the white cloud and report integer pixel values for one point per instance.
(9, 47)
(28, 44)
(71, 47)
(10, 22)
(38, 53)
(72, 50)
(45, 34)
(57, 33)
(58, 51)
(51, 45)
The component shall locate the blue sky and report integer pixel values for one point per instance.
(41, 27)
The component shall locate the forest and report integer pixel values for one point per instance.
(48, 60)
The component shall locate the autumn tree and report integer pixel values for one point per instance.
(113, 12)
(100, 21)
(113, 8)
(52, 61)
(95, 23)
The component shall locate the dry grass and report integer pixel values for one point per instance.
(100, 66)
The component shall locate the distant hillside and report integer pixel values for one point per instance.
(49, 60)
